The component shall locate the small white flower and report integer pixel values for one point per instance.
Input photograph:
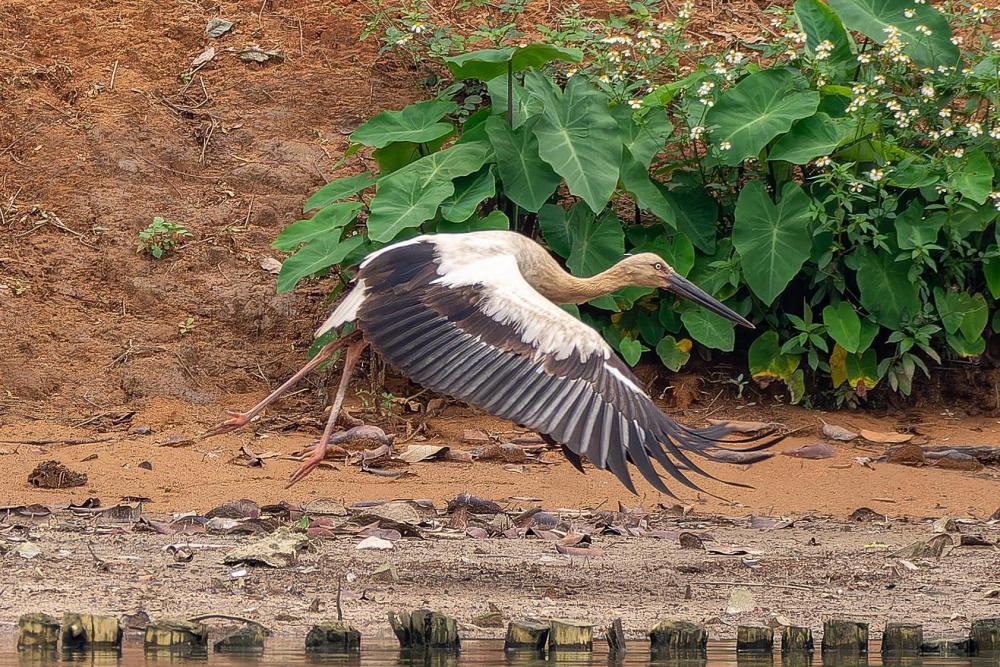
(720, 68)
(995, 132)
(403, 39)
(876, 175)
(974, 129)
(879, 80)
(956, 40)
(706, 88)
(697, 131)
(940, 189)
(823, 49)
(824, 161)
(909, 12)
(958, 152)
(864, 58)
(635, 104)
(734, 57)
(924, 29)
(948, 132)
(820, 82)
(927, 90)
(725, 146)
(417, 27)
(655, 43)
(856, 186)
(995, 44)
(945, 112)
(664, 26)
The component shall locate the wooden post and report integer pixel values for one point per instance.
(678, 637)
(902, 639)
(840, 636)
(616, 639)
(176, 636)
(86, 631)
(570, 636)
(795, 639)
(37, 631)
(337, 637)
(984, 635)
(423, 628)
(249, 638)
(526, 635)
(947, 647)
(754, 639)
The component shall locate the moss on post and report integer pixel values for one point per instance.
(678, 637)
(423, 628)
(339, 637)
(249, 638)
(570, 636)
(616, 639)
(526, 635)
(902, 638)
(37, 631)
(958, 648)
(795, 639)
(754, 639)
(85, 631)
(176, 636)
(984, 635)
(840, 636)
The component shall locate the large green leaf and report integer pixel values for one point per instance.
(709, 329)
(819, 23)
(886, 290)
(811, 138)
(673, 353)
(644, 137)
(773, 241)
(527, 180)
(961, 311)
(695, 213)
(495, 220)
(321, 253)
(913, 231)
(488, 64)
(470, 191)
(417, 123)
(596, 242)
(631, 350)
(339, 188)
(973, 176)
(525, 104)
(328, 220)
(873, 17)
(767, 362)
(554, 224)
(578, 136)
(648, 195)
(843, 325)
(409, 197)
(756, 110)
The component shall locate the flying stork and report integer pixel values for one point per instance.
(475, 316)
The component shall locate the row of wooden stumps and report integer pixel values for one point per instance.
(423, 629)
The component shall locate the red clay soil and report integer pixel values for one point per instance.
(99, 133)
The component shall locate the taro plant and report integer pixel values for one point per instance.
(837, 186)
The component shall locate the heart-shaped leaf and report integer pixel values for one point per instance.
(554, 224)
(820, 24)
(643, 137)
(328, 220)
(756, 110)
(973, 176)
(709, 329)
(321, 253)
(674, 353)
(470, 191)
(409, 197)
(961, 311)
(417, 123)
(339, 188)
(876, 19)
(579, 138)
(913, 231)
(488, 64)
(811, 138)
(843, 325)
(648, 195)
(886, 290)
(527, 180)
(495, 220)
(768, 363)
(596, 242)
(773, 241)
(631, 350)
(696, 214)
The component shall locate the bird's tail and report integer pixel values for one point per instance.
(346, 311)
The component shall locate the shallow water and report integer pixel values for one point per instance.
(475, 653)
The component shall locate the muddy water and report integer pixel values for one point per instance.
(484, 653)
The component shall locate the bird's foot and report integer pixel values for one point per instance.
(310, 464)
(237, 421)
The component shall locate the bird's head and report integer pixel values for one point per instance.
(648, 269)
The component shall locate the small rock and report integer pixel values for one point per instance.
(907, 455)
(270, 264)
(146, 465)
(818, 450)
(690, 541)
(374, 542)
(141, 430)
(945, 525)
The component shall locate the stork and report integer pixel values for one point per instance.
(475, 316)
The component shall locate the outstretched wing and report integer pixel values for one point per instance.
(468, 325)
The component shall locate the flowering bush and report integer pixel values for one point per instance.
(836, 186)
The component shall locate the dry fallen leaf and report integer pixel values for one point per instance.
(886, 438)
(374, 542)
(270, 264)
(838, 433)
(417, 453)
(817, 450)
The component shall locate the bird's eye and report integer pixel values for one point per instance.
(658, 266)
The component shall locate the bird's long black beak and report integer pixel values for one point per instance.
(681, 286)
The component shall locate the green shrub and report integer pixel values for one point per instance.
(836, 187)
(160, 237)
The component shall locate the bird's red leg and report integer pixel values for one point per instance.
(319, 452)
(240, 420)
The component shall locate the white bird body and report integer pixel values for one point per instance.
(475, 316)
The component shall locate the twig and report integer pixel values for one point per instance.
(794, 587)
(114, 73)
(340, 611)
(228, 617)
(101, 565)
(55, 441)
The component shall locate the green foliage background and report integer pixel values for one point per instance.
(837, 187)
